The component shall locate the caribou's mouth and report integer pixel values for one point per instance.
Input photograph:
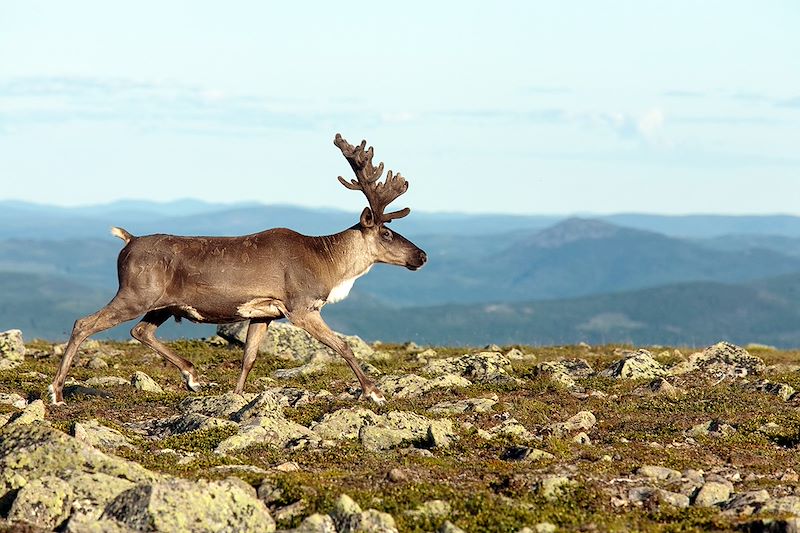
(413, 267)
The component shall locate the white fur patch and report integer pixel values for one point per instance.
(340, 292)
(191, 312)
(258, 308)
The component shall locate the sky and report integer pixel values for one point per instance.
(504, 107)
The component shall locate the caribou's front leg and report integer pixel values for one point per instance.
(312, 322)
(255, 331)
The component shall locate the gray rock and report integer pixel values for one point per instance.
(316, 523)
(345, 423)
(449, 527)
(564, 371)
(509, 428)
(659, 387)
(782, 390)
(581, 438)
(33, 412)
(181, 505)
(746, 503)
(721, 360)
(712, 493)
(44, 502)
(469, 405)
(552, 487)
(32, 451)
(13, 399)
(583, 420)
(712, 428)
(270, 430)
(484, 367)
(525, 454)
(96, 363)
(515, 354)
(431, 508)
(658, 473)
(786, 505)
(291, 342)
(648, 494)
(382, 438)
(221, 406)
(265, 404)
(12, 349)
(107, 381)
(95, 434)
(412, 385)
(145, 383)
(635, 365)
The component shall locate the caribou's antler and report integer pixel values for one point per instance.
(379, 194)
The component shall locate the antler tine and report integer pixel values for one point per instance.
(379, 194)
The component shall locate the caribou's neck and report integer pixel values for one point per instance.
(348, 257)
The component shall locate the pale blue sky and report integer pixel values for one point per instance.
(524, 107)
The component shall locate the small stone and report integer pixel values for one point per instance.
(581, 438)
(449, 527)
(12, 349)
(13, 399)
(96, 363)
(107, 381)
(396, 475)
(145, 383)
(95, 434)
(431, 508)
(288, 466)
(712, 428)
(712, 493)
(746, 503)
(580, 421)
(551, 487)
(636, 365)
(659, 387)
(658, 473)
(525, 454)
(316, 523)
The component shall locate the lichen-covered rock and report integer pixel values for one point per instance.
(221, 406)
(12, 349)
(181, 505)
(382, 438)
(265, 404)
(658, 473)
(712, 428)
(582, 420)
(565, 371)
(712, 493)
(468, 405)
(432, 508)
(781, 390)
(291, 342)
(525, 454)
(316, 523)
(484, 367)
(657, 495)
(13, 399)
(508, 428)
(33, 412)
(552, 487)
(107, 381)
(412, 385)
(345, 423)
(746, 503)
(785, 505)
(95, 434)
(29, 452)
(720, 361)
(635, 365)
(449, 527)
(145, 383)
(270, 430)
(659, 387)
(44, 502)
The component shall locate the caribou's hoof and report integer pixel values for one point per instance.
(376, 396)
(191, 382)
(53, 401)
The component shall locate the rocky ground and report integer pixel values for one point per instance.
(511, 438)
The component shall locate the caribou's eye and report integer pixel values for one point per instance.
(386, 234)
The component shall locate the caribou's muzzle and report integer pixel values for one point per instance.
(417, 262)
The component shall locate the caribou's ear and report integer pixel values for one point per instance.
(367, 218)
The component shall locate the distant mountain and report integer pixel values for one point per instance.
(573, 258)
(789, 246)
(704, 226)
(693, 314)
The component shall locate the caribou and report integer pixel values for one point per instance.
(273, 274)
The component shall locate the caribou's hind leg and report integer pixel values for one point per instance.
(255, 332)
(145, 331)
(120, 309)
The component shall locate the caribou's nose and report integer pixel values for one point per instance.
(423, 256)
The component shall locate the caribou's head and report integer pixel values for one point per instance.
(386, 245)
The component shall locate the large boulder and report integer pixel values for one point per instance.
(12, 349)
(292, 343)
(412, 385)
(44, 502)
(720, 361)
(485, 367)
(635, 365)
(181, 505)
